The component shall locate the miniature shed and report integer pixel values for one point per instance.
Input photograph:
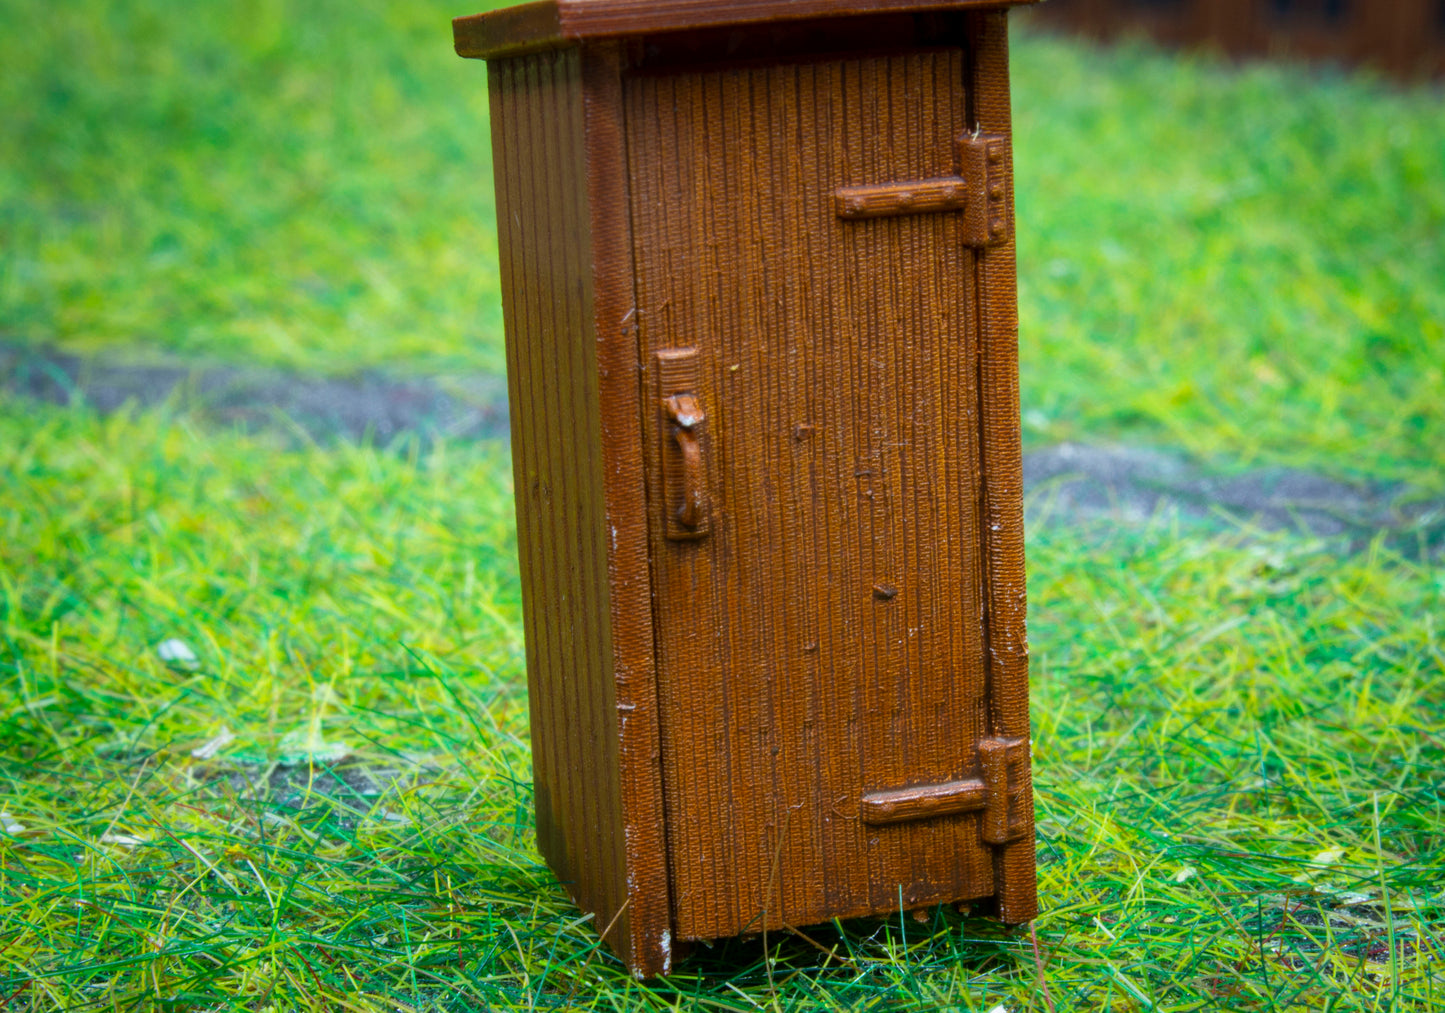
(759, 289)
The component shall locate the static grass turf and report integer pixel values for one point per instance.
(1244, 263)
(1240, 747)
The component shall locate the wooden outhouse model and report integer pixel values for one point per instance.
(758, 277)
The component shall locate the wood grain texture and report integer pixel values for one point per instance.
(578, 479)
(645, 936)
(1008, 807)
(838, 364)
(511, 31)
(529, 27)
(986, 160)
(674, 377)
(815, 704)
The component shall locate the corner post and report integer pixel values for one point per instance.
(642, 934)
(1003, 523)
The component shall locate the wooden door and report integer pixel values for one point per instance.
(820, 613)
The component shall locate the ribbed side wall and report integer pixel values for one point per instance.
(552, 376)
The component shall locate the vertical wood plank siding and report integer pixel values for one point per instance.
(826, 637)
(645, 926)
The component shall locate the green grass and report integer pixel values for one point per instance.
(304, 184)
(1212, 715)
(1239, 737)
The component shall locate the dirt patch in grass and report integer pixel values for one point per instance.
(1074, 483)
(366, 406)
(1068, 483)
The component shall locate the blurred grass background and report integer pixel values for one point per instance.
(1238, 736)
(1247, 264)
(298, 183)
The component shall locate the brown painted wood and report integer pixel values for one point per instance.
(767, 470)
(511, 31)
(826, 639)
(924, 801)
(529, 27)
(1002, 468)
(1000, 794)
(538, 159)
(888, 200)
(645, 934)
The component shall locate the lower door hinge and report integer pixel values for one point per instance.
(1002, 792)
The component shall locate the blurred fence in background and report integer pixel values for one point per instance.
(1403, 38)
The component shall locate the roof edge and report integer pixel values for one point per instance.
(549, 24)
(511, 31)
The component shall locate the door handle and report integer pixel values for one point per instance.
(682, 446)
(686, 414)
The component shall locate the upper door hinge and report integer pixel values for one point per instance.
(981, 189)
